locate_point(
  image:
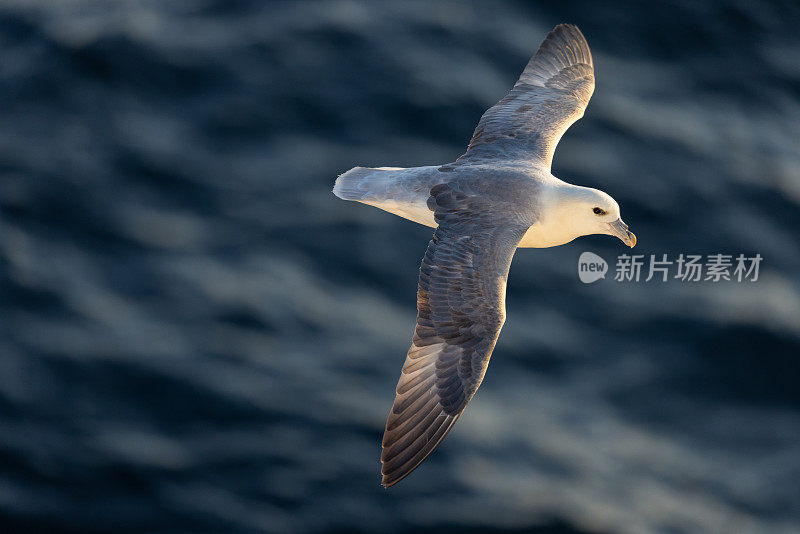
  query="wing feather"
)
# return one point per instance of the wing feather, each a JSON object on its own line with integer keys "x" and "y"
{"x": 550, "y": 95}
{"x": 460, "y": 304}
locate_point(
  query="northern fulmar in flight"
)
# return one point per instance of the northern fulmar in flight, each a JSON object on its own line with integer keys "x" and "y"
{"x": 498, "y": 196}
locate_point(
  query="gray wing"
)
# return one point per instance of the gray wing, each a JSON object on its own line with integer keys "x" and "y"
{"x": 550, "y": 95}
{"x": 461, "y": 308}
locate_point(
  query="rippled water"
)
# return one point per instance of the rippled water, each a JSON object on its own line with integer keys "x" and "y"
{"x": 196, "y": 335}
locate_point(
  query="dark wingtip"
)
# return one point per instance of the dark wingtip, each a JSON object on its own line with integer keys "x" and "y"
{"x": 389, "y": 479}
{"x": 386, "y": 480}
{"x": 566, "y": 27}
{"x": 566, "y": 33}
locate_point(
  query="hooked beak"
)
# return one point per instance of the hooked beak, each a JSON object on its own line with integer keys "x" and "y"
{"x": 620, "y": 229}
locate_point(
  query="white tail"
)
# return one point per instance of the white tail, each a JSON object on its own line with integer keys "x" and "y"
{"x": 397, "y": 190}
{"x": 365, "y": 183}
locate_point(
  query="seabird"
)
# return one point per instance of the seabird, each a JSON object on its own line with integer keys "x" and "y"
{"x": 498, "y": 196}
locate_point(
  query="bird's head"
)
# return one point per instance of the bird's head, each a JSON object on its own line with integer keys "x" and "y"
{"x": 590, "y": 211}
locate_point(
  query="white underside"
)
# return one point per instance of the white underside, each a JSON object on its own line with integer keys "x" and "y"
{"x": 418, "y": 212}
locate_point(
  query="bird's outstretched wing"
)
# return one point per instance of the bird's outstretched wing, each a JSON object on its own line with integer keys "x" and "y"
{"x": 550, "y": 95}
{"x": 461, "y": 308}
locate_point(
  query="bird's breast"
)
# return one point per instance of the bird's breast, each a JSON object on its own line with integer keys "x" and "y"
{"x": 541, "y": 235}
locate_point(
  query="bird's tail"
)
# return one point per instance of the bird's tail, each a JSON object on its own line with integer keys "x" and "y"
{"x": 366, "y": 183}
{"x": 403, "y": 192}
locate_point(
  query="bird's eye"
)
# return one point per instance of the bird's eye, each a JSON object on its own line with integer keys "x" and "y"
{"x": 599, "y": 211}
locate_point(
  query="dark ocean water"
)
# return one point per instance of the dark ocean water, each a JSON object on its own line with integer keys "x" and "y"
{"x": 197, "y": 336}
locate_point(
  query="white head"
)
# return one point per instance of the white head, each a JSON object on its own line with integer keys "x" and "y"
{"x": 575, "y": 211}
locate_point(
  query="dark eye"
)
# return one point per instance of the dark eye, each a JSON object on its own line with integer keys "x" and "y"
{"x": 599, "y": 211}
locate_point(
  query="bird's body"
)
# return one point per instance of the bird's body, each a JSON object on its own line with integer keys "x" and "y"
{"x": 405, "y": 192}
{"x": 498, "y": 196}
